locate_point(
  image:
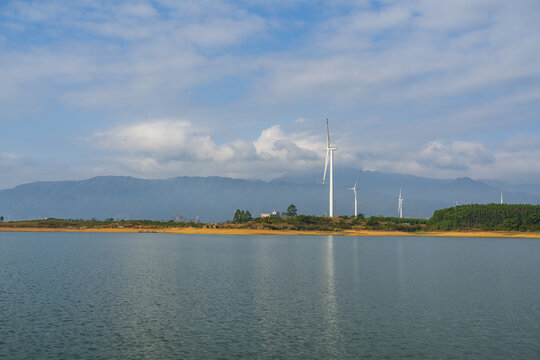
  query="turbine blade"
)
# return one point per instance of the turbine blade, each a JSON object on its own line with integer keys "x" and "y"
{"x": 327, "y": 135}
{"x": 356, "y": 183}
{"x": 325, "y": 165}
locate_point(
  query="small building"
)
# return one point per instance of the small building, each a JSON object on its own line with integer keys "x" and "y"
{"x": 273, "y": 214}
{"x": 179, "y": 219}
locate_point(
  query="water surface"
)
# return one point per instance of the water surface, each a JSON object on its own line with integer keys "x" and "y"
{"x": 158, "y": 296}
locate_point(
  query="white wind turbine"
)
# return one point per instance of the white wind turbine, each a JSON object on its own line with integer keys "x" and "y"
{"x": 400, "y": 205}
{"x": 355, "y": 189}
{"x": 330, "y": 155}
{"x": 502, "y": 198}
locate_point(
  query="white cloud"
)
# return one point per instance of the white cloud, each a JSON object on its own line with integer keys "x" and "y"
{"x": 275, "y": 143}
{"x": 134, "y": 54}
{"x": 459, "y": 155}
{"x": 514, "y": 167}
{"x": 438, "y": 50}
{"x": 454, "y": 15}
{"x": 6, "y": 158}
{"x": 515, "y": 161}
{"x": 164, "y": 141}
{"x": 141, "y": 10}
{"x": 221, "y": 32}
{"x": 371, "y": 21}
{"x": 170, "y": 147}
{"x": 418, "y": 69}
{"x": 402, "y": 52}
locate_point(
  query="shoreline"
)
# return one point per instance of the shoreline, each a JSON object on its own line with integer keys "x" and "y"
{"x": 240, "y": 231}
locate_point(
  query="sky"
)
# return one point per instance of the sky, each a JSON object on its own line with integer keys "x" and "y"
{"x": 163, "y": 88}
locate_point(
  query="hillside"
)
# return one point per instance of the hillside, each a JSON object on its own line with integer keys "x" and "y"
{"x": 216, "y": 198}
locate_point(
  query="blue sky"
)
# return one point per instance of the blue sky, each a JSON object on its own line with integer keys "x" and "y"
{"x": 164, "y": 88}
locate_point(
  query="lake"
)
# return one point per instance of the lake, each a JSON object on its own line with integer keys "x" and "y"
{"x": 162, "y": 296}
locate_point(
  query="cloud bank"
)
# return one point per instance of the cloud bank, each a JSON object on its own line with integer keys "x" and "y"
{"x": 178, "y": 147}
{"x": 434, "y": 88}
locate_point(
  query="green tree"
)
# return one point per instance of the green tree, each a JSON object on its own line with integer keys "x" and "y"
{"x": 237, "y": 216}
{"x": 241, "y": 216}
{"x": 372, "y": 221}
{"x": 1, "y": 219}
{"x": 513, "y": 217}
{"x": 291, "y": 211}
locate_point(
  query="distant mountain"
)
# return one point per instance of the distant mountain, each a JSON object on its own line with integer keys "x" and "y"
{"x": 533, "y": 189}
{"x": 216, "y": 198}
{"x": 422, "y": 195}
{"x": 208, "y": 198}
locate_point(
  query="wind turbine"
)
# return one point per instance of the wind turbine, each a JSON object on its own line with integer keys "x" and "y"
{"x": 400, "y": 205}
{"x": 329, "y": 156}
{"x": 502, "y": 198}
{"x": 355, "y": 189}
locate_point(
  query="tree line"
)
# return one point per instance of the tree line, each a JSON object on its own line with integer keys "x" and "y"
{"x": 243, "y": 216}
{"x": 490, "y": 217}
{"x": 503, "y": 217}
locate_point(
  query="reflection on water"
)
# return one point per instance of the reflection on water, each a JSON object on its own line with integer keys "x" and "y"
{"x": 330, "y": 303}
{"x": 264, "y": 282}
{"x": 400, "y": 266}
{"x": 120, "y": 296}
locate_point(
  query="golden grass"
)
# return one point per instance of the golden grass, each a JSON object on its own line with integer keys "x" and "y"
{"x": 239, "y": 231}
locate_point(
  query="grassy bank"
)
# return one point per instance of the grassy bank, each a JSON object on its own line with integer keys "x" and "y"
{"x": 247, "y": 231}
{"x": 298, "y": 225}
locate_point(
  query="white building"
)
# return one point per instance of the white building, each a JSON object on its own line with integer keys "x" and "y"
{"x": 273, "y": 214}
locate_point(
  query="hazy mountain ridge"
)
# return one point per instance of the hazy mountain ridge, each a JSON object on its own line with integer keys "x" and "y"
{"x": 215, "y": 198}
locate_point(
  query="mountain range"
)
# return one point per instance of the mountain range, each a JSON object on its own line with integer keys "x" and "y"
{"x": 216, "y": 198}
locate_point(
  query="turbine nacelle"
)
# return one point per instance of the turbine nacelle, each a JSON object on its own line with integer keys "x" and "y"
{"x": 328, "y": 150}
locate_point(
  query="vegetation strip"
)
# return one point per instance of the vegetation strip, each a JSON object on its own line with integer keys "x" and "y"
{"x": 499, "y": 220}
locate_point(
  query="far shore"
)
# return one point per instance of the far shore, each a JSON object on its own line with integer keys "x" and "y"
{"x": 243, "y": 231}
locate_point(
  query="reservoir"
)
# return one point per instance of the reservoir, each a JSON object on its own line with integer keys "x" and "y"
{"x": 164, "y": 296}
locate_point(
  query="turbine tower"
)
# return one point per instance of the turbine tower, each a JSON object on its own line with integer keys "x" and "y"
{"x": 355, "y": 189}
{"x": 502, "y": 198}
{"x": 400, "y": 205}
{"x": 329, "y": 156}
